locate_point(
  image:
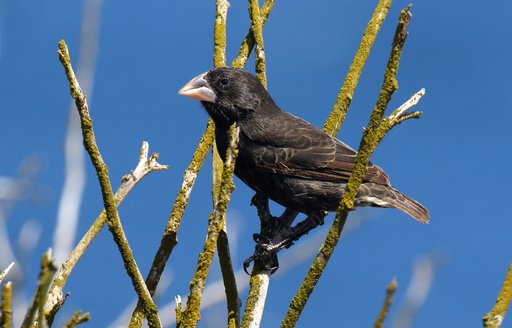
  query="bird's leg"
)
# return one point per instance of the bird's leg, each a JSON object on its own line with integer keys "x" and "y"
{"x": 276, "y": 233}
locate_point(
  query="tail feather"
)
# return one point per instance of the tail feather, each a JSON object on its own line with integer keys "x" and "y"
{"x": 379, "y": 195}
{"x": 409, "y": 206}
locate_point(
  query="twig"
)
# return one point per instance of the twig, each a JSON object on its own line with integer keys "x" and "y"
{"x": 113, "y": 220}
{"x": 368, "y": 143}
{"x": 191, "y": 314}
{"x": 335, "y": 120}
{"x": 77, "y": 319}
{"x": 144, "y": 166}
{"x": 390, "y": 294}
{"x": 6, "y": 307}
{"x": 494, "y": 318}
{"x": 248, "y": 42}
{"x": 46, "y": 273}
{"x": 169, "y": 238}
{"x": 6, "y": 271}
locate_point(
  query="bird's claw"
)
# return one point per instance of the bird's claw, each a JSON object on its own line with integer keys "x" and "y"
{"x": 265, "y": 256}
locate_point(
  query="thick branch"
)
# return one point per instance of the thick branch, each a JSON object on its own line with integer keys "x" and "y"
{"x": 144, "y": 166}
{"x": 114, "y": 222}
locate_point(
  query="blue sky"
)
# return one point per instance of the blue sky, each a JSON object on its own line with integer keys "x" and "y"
{"x": 455, "y": 160}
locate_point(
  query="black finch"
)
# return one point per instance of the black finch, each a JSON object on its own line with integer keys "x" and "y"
{"x": 283, "y": 157}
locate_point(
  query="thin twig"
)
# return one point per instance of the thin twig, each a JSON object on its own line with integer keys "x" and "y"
{"x": 144, "y": 166}
{"x": 335, "y": 120}
{"x": 169, "y": 238}
{"x": 6, "y": 306}
{"x": 46, "y": 273}
{"x": 191, "y": 314}
{"x": 494, "y": 318}
{"x": 369, "y": 142}
{"x": 388, "y": 301}
{"x": 113, "y": 220}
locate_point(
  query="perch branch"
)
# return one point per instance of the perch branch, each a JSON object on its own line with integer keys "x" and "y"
{"x": 144, "y": 166}
{"x": 494, "y": 318}
{"x": 369, "y": 142}
{"x": 113, "y": 220}
{"x": 388, "y": 301}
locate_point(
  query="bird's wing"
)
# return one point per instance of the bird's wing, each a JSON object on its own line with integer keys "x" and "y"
{"x": 291, "y": 146}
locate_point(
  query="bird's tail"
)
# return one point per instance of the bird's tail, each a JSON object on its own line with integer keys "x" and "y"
{"x": 408, "y": 205}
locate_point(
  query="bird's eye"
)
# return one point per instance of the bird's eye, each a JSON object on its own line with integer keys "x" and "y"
{"x": 224, "y": 82}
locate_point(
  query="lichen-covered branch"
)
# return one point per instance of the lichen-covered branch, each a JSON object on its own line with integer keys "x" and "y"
{"x": 494, "y": 318}
{"x": 388, "y": 301}
{"x": 335, "y": 120}
{"x": 257, "y": 32}
{"x": 46, "y": 273}
{"x": 249, "y": 42}
{"x": 113, "y": 220}
{"x": 191, "y": 315}
{"x": 170, "y": 235}
{"x": 260, "y": 281}
{"x": 6, "y": 306}
{"x": 369, "y": 142}
{"x": 219, "y": 33}
{"x": 144, "y": 166}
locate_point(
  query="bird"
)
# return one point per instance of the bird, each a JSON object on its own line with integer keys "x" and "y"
{"x": 284, "y": 157}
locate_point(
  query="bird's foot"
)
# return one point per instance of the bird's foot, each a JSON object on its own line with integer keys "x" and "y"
{"x": 278, "y": 234}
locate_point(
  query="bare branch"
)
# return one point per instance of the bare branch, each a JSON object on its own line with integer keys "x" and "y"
{"x": 6, "y": 271}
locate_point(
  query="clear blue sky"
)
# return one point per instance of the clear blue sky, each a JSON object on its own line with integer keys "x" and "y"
{"x": 456, "y": 160}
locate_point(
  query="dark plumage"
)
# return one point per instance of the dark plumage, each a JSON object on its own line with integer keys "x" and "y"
{"x": 283, "y": 157}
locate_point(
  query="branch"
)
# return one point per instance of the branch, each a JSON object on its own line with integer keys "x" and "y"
{"x": 144, "y": 166}
{"x": 494, "y": 317}
{"x": 45, "y": 278}
{"x": 6, "y": 306}
{"x": 369, "y": 142}
{"x": 191, "y": 314}
{"x": 249, "y": 42}
{"x": 169, "y": 238}
{"x": 256, "y": 28}
{"x": 114, "y": 222}
{"x": 390, "y": 294}
{"x": 335, "y": 120}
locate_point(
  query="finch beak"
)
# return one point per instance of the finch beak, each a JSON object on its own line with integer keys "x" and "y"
{"x": 198, "y": 88}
